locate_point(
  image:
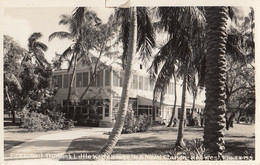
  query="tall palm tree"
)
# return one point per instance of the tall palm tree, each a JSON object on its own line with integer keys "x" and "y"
{"x": 137, "y": 35}
{"x": 175, "y": 100}
{"x": 82, "y": 29}
{"x": 218, "y": 44}
{"x": 184, "y": 26}
{"x": 216, "y": 38}
{"x": 161, "y": 78}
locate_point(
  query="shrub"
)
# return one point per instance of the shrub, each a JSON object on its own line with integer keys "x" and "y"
{"x": 143, "y": 122}
{"x": 133, "y": 124}
{"x": 130, "y": 122}
{"x": 53, "y": 120}
{"x": 193, "y": 150}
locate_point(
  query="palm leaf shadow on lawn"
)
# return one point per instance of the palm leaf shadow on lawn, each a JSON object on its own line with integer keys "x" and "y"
{"x": 158, "y": 141}
{"x": 150, "y": 145}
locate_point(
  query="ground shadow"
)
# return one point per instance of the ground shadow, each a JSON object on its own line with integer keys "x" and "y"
{"x": 91, "y": 146}
{"x": 8, "y": 144}
{"x": 240, "y": 148}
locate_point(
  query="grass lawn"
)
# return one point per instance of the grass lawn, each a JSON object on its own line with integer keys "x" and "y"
{"x": 160, "y": 139}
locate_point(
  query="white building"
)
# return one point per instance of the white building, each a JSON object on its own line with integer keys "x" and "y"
{"x": 106, "y": 91}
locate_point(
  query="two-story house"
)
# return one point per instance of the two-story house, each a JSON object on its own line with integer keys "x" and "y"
{"x": 106, "y": 90}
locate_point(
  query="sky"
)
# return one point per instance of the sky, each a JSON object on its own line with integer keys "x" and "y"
{"x": 20, "y": 23}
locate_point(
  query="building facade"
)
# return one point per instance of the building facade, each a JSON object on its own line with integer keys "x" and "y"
{"x": 104, "y": 93}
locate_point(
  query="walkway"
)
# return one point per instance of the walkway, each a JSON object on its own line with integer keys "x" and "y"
{"x": 49, "y": 147}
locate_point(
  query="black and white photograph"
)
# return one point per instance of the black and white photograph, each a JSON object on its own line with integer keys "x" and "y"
{"x": 124, "y": 82}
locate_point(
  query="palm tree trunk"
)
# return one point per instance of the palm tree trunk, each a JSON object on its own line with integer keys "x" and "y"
{"x": 71, "y": 80}
{"x": 117, "y": 129}
{"x": 71, "y": 86}
{"x": 215, "y": 80}
{"x": 179, "y": 141}
{"x": 175, "y": 102}
{"x": 192, "y": 111}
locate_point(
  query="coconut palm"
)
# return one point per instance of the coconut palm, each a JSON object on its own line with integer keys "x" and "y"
{"x": 161, "y": 79}
{"x": 218, "y": 44}
{"x": 82, "y": 29}
{"x": 184, "y": 26}
{"x": 216, "y": 39}
{"x": 137, "y": 35}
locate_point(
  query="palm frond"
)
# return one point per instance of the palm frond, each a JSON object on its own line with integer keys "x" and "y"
{"x": 163, "y": 78}
{"x": 66, "y": 53}
{"x": 78, "y": 16}
{"x": 163, "y": 54}
{"x": 41, "y": 59}
{"x": 32, "y": 39}
{"x": 61, "y": 35}
{"x": 65, "y": 19}
{"x": 71, "y": 62}
{"x": 41, "y": 46}
{"x": 146, "y": 34}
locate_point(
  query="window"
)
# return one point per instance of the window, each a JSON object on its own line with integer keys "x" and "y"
{"x": 121, "y": 81}
{"x": 100, "y": 112}
{"x": 107, "y": 77}
{"x": 85, "y": 79}
{"x": 145, "y": 109}
{"x": 106, "y": 110}
{"x": 65, "y": 81}
{"x": 135, "y": 82}
{"x": 146, "y": 83}
{"x": 59, "y": 81}
{"x": 141, "y": 79}
{"x": 116, "y": 78}
{"x": 100, "y": 79}
{"x": 79, "y": 80}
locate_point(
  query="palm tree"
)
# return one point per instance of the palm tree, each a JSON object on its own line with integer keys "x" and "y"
{"x": 175, "y": 100}
{"x": 82, "y": 29}
{"x": 161, "y": 78}
{"x": 137, "y": 35}
{"x": 216, "y": 39}
{"x": 184, "y": 26}
{"x": 218, "y": 44}
{"x": 36, "y": 50}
